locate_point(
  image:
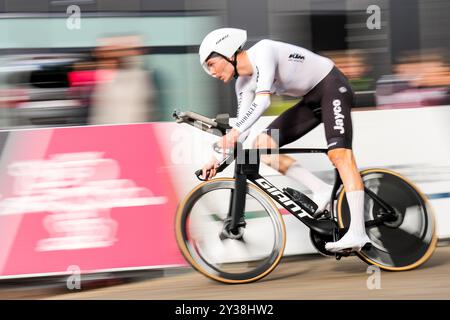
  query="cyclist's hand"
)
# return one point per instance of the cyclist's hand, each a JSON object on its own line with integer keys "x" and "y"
{"x": 228, "y": 141}
{"x": 209, "y": 170}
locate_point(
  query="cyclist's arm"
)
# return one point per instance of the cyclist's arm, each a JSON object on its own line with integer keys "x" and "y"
{"x": 221, "y": 157}
{"x": 254, "y": 99}
{"x": 254, "y": 112}
{"x": 251, "y": 111}
{"x": 245, "y": 95}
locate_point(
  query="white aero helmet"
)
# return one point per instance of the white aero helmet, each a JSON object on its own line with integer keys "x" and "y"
{"x": 224, "y": 41}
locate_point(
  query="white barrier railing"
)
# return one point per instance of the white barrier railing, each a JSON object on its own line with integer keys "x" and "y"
{"x": 414, "y": 142}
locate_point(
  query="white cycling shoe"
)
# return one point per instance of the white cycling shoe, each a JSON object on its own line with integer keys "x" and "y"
{"x": 350, "y": 242}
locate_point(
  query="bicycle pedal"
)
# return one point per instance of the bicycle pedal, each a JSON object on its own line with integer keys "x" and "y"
{"x": 344, "y": 253}
{"x": 347, "y": 252}
{"x": 302, "y": 200}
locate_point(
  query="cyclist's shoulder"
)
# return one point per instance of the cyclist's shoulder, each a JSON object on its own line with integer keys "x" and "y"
{"x": 269, "y": 48}
{"x": 264, "y": 44}
{"x": 263, "y": 52}
{"x": 269, "y": 43}
{"x": 245, "y": 84}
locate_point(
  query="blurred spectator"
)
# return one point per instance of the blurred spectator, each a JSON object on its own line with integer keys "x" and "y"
{"x": 82, "y": 83}
{"x": 36, "y": 90}
{"x": 353, "y": 64}
{"x": 124, "y": 92}
{"x": 418, "y": 80}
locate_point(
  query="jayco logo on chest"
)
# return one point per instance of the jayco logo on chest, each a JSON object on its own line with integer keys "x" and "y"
{"x": 338, "y": 116}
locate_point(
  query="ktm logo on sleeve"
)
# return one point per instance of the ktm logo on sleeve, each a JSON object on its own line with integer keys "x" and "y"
{"x": 297, "y": 57}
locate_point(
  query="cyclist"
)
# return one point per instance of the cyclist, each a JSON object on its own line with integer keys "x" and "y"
{"x": 272, "y": 67}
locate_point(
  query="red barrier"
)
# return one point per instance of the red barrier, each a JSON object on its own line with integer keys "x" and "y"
{"x": 95, "y": 197}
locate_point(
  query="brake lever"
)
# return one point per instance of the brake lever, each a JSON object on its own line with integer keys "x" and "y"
{"x": 220, "y": 168}
{"x": 198, "y": 173}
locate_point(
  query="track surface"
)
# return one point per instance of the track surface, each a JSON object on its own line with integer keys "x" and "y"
{"x": 304, "y": 277}
{"x": 300, "y": 277}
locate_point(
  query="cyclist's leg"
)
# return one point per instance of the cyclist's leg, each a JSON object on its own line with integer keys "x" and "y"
{"x": 337, "y": 101}
{"x": 288, "y": 127}
{"x": 292, "y": 124}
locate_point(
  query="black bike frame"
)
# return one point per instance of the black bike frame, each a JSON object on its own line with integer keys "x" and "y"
{"x": 247, "y": 168}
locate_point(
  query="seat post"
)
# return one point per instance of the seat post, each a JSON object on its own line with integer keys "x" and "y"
{"x": 337, "y": 183}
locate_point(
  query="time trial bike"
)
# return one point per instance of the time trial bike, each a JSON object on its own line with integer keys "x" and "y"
{"x": 232, "y": 231}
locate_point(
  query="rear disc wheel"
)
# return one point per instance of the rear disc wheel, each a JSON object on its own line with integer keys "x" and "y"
{"x": 404, "y": 242}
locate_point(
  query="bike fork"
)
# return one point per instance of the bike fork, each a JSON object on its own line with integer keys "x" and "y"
{"x": 235, "y": 217}
{"x": 237, "y": 202}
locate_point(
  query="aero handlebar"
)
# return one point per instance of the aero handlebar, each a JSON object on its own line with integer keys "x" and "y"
{"x": 218, "y": 127}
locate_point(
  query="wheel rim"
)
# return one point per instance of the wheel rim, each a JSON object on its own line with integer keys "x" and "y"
{"x": 224, "y": 260}
{"x": 405, "y": 243}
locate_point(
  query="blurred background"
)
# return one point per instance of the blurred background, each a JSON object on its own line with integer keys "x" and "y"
{"x": 111, "y": 61}
{"x": 95, "y": 62}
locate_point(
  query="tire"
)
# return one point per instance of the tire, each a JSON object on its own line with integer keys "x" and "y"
{"x": 198, "y": 224}
{"x": 405, "y": 243}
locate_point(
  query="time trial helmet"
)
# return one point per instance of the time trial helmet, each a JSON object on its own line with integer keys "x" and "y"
{"x": 225, "y": 41}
